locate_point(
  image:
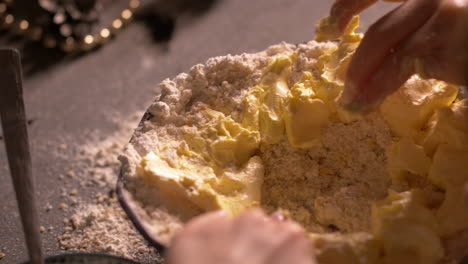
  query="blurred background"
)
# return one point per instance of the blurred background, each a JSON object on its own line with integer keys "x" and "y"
{"x": 84, "y": 72}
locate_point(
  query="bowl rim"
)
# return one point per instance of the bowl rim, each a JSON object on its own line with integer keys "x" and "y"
{"x": 133, "y": 216}
{"x": 122, "y": 196}
{"x": 85, "y": 254}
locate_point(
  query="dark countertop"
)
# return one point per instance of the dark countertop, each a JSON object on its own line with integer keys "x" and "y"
{"x": 69, "y": 98}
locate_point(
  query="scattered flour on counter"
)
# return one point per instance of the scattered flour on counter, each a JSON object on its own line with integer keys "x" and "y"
{"x": 101, "y": 225}
{"x": 104, "y": 227}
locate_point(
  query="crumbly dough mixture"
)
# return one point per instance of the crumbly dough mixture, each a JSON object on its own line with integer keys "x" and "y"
{"x": 266, "y": 129}
{"x": 330, "y": 187}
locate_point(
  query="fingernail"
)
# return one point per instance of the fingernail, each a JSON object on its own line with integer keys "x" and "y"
{"x": 358, "y": 102}
{"x": 347, "y": 96}
{"x": 355, "y": 106}
{"x": 349, "y": 92}
{"x": 351, "y": 100}
{"x": 278, "y": 216}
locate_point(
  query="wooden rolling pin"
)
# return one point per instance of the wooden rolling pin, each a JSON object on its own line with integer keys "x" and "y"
{"x": 15, "y": 135}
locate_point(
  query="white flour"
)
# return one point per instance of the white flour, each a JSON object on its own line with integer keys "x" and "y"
{"x": 102, "y": 225}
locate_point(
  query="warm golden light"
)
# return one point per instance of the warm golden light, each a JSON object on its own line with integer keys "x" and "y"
{"x": 117, "y": 24}
{"x": 134, "y": 4}
{"x": 105, "y": 33}
{"x": 24, "y": 25}
{"x": 9, "y": 19}
{"x": 89, "y": 39}
{"x": 126, "y": 14}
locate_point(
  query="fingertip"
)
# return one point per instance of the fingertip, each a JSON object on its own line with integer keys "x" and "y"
{"x": 349, "y": 92}
{"x": 207, "y": 218}
{"x": 339, "y": 15}
{"x": 366, "y": 99}
{"x": 353, "y": 99}
{"x": 395, "y": 70}
{"x": 344, "y": 10}
{"x": 356, "y": 106}
{"x": 278, "y": 216}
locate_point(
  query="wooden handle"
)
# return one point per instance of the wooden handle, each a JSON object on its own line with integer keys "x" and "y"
{"x": 17, "y": 146}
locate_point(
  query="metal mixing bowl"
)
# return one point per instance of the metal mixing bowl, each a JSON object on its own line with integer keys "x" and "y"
{"x": 86, "y": 258}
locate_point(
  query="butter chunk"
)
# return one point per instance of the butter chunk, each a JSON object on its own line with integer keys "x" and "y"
{"x": 271, "y": 116}
{"x": 251, "y": 108}
{"x": 407, "y": 229}
{"x": 335, "y": 69}
{"x": 306, "y": 114}
{"x": 275, "y": 86}
{"x": 411, "y": 244}
{"x": 328, "y": 29}
{"x": 179, "y": 182}
{"x": 264, "y": 103}
{"x": 406, "y": 157}
{"x": 223, "y": 140}
{"x": 240, "y": 190}
{"x": 238, "y": 148}
{"x": 449, "y": 171}
{"x": 355, "y": 248}
{"x": 410, "y": 107}
{"x": 449, "y": 125}
{"x": 233, "y": 192}
{"x": 335, "y": 64}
